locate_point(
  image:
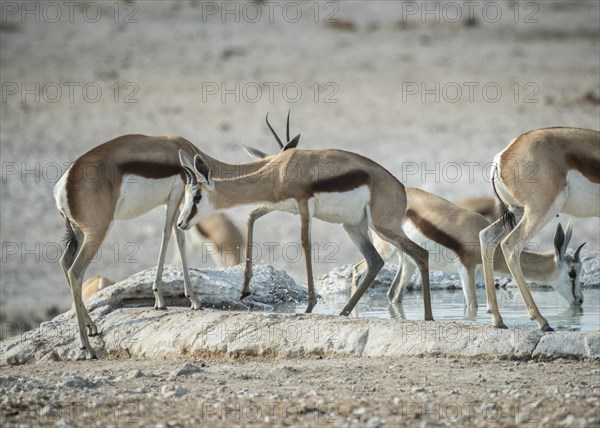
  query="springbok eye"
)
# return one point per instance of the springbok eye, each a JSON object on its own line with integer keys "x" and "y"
{"x": 197, "y": 197}
{"x": 572, "y": 274}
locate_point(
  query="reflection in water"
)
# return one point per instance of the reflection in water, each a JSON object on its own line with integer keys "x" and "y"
{"x": 448, "y": 305}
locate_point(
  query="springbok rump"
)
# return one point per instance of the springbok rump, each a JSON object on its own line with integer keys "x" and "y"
{"x": 451, "y": 234}
{"x": 540, "y": 174}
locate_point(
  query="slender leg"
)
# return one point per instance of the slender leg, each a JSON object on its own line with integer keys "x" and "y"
{"x": 418, "y": 254}
{"x": 405, "y": 274}
{"x": 467, "y": 281}
{"x": 172, "y": 208}
{"x": 512, "y": 246}
{"x": 305, "y": 220}
{"x": 392, "y": 291}
{"x": 87, "y": 251}
{"x": 189, "y": 290}
{"x": 489, "y": 240}
{"x": 360, "y": 236}
{"x": 358, "y": 270}
{"x": 254, "y": 215}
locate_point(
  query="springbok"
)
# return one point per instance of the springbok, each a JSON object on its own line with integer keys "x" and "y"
{"x": 487, "y": 207}
{"x": 540, "y": 174}
{"x": 451, "y": 234}
{"x": 118, "y": 180}
{"x": 332, "y": 185}
{"x": 227, "y": 241}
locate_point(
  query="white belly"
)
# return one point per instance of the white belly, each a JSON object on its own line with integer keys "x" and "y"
{"x": 343, "y": 207}
{"x": 140, "y": 195}
{"x": 583, "y": 196}
{"x": 440, "y": 257}
{"x": 332, "y": 207}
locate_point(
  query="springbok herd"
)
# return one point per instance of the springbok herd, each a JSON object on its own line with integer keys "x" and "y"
{"x": 135, "y": 173}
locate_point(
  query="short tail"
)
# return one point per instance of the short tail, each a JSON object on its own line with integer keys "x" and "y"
{"x": 508, "y": 218}
{"x": 70, "y": 241}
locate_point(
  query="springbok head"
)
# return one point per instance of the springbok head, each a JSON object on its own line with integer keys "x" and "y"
{"x": 199, "y": 182}
{"x": 567, "y": 283}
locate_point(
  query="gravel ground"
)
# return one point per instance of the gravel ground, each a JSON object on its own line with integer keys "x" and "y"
{"x": 350, "y": 392}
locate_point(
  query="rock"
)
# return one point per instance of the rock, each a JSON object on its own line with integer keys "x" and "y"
{"x": 187, "y": 369}
{"x": 375, "y": 422}
{"x": 48, "y": 411}
{"x": 135, "y": 373}
{"x": 218, "y": 288}
{"x": 76, "y": 382}
{"x": 168, "y": 391}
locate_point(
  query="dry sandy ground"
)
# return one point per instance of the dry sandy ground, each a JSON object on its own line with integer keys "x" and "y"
{"x": 347, "y": 392}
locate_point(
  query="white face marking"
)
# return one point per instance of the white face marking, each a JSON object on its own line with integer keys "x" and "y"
{"x": 139, "y": 195}
{"x": 195, "y": 197}
{"x": 563, "y": 283}
{"x": 342, "y": 207}
{"x": 582, "y": 196}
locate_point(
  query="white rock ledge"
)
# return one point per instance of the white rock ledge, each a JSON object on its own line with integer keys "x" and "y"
{"x": 142, "y": 332}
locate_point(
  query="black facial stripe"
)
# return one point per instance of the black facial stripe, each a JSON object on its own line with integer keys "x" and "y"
{"x": 197, "y": 197}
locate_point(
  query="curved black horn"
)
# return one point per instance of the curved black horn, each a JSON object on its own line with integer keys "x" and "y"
{"x": 576, "y": 256}
{"x": 287, "y": 127}
{"x": 191, "y": 178}
{"x": 273, "y": 132}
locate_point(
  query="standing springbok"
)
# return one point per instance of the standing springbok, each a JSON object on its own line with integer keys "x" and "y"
{"x": 332, "y": 185}
{"x": 451, "y": 234}
{"x": 118, "y": 180}
{"x": 540, "y": 174}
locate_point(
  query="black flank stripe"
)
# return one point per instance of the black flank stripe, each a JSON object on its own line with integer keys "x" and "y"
{"x": 342, "y": 183}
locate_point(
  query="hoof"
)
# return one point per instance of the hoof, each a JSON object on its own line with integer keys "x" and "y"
{"x": 546, "y": 328}
{"x": 501, "y": 325}
{"x": 94, "y": 334}
{"x": 162, "y": 308}
{"x": 244, "y": 295}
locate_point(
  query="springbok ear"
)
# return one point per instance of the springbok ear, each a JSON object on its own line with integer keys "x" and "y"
{"x": 576, "y": 257}
{"x": 203, "y": 171}
{"x": 568, "y": 234}
{"x": 254, "y": 153}
{"x": 186, "y": 160}
{"x": 292, "y": 144}
{"x": 559, "y": 241}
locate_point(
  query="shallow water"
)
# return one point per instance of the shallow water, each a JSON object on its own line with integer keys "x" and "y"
{"x": 447, "y": 305}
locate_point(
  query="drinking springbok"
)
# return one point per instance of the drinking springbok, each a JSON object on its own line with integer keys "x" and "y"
{"x": 540, "y": 174}
{"x": 332, "y": 185}
{"x": 451, "y": 234}
{"x": 118, "y": 180}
